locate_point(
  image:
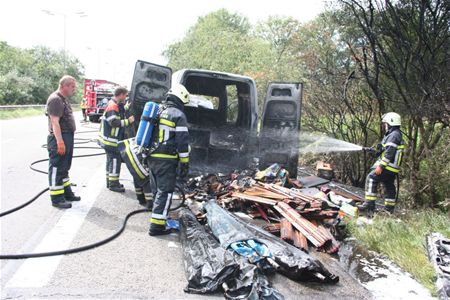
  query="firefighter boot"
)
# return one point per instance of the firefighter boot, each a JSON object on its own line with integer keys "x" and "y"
{"x": 108, "y": 183}
{"x": 60, "y": 202}
{"x": 141, "y": 199}
{"x": 115, "y": 186}
{"x": 368, "y": 207}
{"x": 156, "y": 229}
{"x": 389, "y": 209}
{"x": 69, "y": 195}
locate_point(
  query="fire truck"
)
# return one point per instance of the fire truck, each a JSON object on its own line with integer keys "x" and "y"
{"x": 97, "y": 93}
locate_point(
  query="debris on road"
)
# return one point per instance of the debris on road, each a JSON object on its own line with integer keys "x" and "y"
{"x": 285, "y": 207}
{"x": 263, "y": 219}
{"x": 439, "y": 255}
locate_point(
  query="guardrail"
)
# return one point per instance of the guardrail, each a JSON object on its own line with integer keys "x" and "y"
{"x": 11, "y": 107}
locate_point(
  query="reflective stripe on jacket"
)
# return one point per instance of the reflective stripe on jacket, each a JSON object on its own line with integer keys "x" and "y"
{"x": 173, "y": 135}
{"x": 112, "y": 126}
{"x": 392, "y": 150}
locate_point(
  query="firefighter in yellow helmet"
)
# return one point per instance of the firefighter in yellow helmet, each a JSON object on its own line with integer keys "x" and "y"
{"x": 387, "y": 166}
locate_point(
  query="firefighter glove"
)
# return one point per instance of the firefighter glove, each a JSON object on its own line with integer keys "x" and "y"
{"x": 378, "y": 170}
{"x": 372, "y": 152}
{"x": 61, "y": 148}
{"x": 184, "y": 171}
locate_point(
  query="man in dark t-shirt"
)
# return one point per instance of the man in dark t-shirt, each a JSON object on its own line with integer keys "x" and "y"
{"x": 61, "y": 127}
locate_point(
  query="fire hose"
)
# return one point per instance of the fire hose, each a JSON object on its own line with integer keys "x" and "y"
{"x": 86, "y": 247}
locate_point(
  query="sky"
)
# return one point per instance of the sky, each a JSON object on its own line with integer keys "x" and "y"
{"x": 110, "y": 36}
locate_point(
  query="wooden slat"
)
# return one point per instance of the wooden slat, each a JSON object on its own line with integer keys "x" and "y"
{"x": 273, "y": 228}
{"x": 311, "y": 232}
{"x": 286, "y": 230}
{"x": 300, "y": 241}
{"x": 254, "y": 198}
{"x": 262, "y": 192}
{"x": 304, "y": 231}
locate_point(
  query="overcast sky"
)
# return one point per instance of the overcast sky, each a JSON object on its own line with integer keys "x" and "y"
{"x": 114, "y": 34}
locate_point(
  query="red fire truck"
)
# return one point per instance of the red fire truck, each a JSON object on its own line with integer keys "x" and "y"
{"x": 97, "y": 93}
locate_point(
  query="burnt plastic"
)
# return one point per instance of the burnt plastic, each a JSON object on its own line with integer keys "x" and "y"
{"x": 294, "y": 263}
{"x": 207, "y": 265}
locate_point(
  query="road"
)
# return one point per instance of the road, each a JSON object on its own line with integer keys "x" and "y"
{"x": 133, "y": 266}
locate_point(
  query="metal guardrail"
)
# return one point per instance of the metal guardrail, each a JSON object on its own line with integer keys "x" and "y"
{"x": 10, "y": 107}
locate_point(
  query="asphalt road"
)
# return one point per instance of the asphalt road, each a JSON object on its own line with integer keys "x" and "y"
{"x": 134, "y": 266}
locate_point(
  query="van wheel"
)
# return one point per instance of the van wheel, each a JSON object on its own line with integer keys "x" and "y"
{"x": 94, "y": 119}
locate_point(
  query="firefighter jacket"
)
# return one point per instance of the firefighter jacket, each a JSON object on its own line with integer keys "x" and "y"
{"x": 112, "y": 126}
{"x": 83, "y": 103}
{"x": 391, "y": 150}
{"x": 172, "y": 134}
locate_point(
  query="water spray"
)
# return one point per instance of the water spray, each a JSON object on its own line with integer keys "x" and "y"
{"x": 316, "y": 143}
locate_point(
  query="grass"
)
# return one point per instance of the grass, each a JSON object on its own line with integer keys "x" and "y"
{"x": 403, "y": 240}
{"x": 25, "y": 112}
{"x": 20, "y": 113}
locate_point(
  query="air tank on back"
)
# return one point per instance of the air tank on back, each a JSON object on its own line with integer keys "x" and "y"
{"x": 147, "y": 124}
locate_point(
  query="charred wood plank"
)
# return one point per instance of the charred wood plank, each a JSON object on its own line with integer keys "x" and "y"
{"x": 286, "y": 230}
{"x": 300, "y": 241}
{"x": 254, "y": 198}
{"x": 310, "y": 231}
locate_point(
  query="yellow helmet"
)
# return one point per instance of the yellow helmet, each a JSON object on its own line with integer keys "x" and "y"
{"x": 392, "y": 118}
{"x": 179, "y": 91}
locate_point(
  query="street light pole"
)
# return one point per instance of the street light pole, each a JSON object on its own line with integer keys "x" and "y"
{"x": 64, "y": 53}
{"x": 80, "y": 14}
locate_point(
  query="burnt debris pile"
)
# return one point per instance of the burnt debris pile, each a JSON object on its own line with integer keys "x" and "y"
{"x": 240, "y": 227}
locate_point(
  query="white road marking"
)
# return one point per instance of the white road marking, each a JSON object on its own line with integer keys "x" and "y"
{"x": 37, "y": 272}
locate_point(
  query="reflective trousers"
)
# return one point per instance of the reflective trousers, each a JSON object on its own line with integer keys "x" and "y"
{"x": 387, "y": 178}
{"x": 164, "y": 172}
{"x": 59, "y": 166}
{"x": 113, "y": 162}
{"x": 143, "y": 192}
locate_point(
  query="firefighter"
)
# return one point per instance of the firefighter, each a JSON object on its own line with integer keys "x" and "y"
{"x": 142, "y": 189}
{"x": 61, "y": 127}
{"x": 111, "y": 132}
{"x": 171, "y": 153}
{"x": 83, "y": 106}
{"x": 387, "y": 166}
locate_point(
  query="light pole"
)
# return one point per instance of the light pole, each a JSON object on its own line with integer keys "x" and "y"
{"x": 80, "y": 14}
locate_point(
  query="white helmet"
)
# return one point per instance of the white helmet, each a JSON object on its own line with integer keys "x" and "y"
{"x": 392, "y": 118}
{"x": 179, "y": 91}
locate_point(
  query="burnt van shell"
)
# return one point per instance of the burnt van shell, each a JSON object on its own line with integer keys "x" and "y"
{"x": 223, "y": 121}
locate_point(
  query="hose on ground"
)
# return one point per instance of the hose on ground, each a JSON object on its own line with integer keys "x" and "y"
{"x": 78, "y": 249}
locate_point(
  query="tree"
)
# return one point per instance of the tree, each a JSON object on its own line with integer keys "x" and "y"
{"x": 47, "y": 67}
{"x": 30, "y": 75}
{"x": 223, "y": 41}
{"x": 282, "y": 33}
{"x": 403, "y": 54}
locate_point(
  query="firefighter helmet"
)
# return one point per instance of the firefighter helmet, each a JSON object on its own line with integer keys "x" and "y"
{"x": 392, "y": 118}
{"x": 179, "y": 91}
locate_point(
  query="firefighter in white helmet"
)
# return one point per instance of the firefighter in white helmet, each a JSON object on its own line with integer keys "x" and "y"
{"x": 172, "y": 153}
{"x": 387, "y": 166}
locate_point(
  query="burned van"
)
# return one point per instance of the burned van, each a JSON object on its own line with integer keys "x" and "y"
{"x": 223, "y": 116}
